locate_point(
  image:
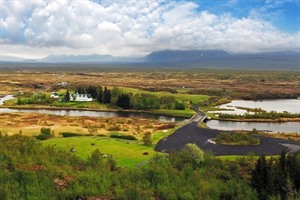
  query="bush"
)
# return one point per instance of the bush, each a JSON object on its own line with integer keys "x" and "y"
{"x": 42, "y": 137}
{"x": 166, "y": 126}
{"x": 237, "y": 139}
{"x": 125, "y": 137}
{"x": 147, "y": 139}
{"x": 70, "y": 134}
{"x": 179, "y": 106}
{"x": 45, "y": 131}
{"x": 45, "y": 134}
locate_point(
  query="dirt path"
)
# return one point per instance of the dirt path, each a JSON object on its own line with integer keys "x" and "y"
{"x": 192, "y": 133}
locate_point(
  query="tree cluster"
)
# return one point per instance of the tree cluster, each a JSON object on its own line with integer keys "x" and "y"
{"x": 142, "y": 101}
{"x": 29, "y": 170}
{"x": 277, "y": 178}
{"x": 98, "y": 93}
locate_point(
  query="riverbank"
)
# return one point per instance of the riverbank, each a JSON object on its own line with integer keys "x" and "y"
{"x": 280, "y": 120}
{"x": 167, "y": 113}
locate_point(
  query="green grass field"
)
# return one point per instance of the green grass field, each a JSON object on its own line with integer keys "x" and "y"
{"x": 194, "y": 99}
{"x": 126, "y": 153}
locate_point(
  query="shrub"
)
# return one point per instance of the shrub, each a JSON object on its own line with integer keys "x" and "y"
{"x": 166, "y": 126}
{"x": 70, "y": 134}
{"x": 45, "y": 131}
{"x": 45, "y": 134}
{"x": 179, "y": 106}
{"x": 42, "y": 137}
{"x": 125, "y": 137}
{"x": 147, "y": 139}
{"x": 236, "y": 139}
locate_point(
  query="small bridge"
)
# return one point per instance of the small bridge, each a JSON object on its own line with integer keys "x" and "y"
{"x": 199, "y": 116}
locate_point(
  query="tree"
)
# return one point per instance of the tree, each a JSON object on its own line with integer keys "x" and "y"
{"x": 190, "y": 154}
{"x": 100, "y": 95}
{"x": 92, "y": 90}
{"x": 115, "y": 93}
{"x": 96, "y": 158}
{"x": 106, "y": 96}
{"x": 123, "y": 101}
{"x": 259, "y": 179}
{"x": 67, "y": 96}
{"x": 293, "y": 166}
{"x": 179, "y": 105}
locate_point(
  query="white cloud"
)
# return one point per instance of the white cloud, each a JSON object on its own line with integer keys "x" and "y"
{"x": 37, "y": 28}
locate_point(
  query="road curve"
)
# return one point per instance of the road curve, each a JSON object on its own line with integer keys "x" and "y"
{"x": 192, "y": 133}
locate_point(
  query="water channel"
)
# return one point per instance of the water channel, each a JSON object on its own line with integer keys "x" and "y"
{"x": 214, "y": 124}
{"x": 76, "y": 113}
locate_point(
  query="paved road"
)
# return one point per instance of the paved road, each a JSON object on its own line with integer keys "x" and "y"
{"x": 192, "y": 133}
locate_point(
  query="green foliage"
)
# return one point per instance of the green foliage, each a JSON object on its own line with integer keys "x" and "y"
{"x": 260, "y": 115}
{"x": 45, "y": 134}
{"x": 190, "y": 154}
{"x": 179, "y": 105}
{"x": 125, "y": 137}
{"x": 34, "y": 98}
{"x": 106, "y": 96}
{"x": 46, "y": 131}
{"x": 31, "y": 171}
{"x": 123, "y": 101}
{"x": 278, "y": 178}
{"x": 70, "y": 134}
{"x": 237, "y": 139}
{"x": 67, "y": 96}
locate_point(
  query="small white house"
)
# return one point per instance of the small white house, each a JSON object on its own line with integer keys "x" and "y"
{"x": 82, "y": 97}
{"x": 54, "y": 95}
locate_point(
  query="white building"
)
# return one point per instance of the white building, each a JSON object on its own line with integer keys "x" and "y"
{"x": 81, "y": 97}
{"x": 54, "y": 95}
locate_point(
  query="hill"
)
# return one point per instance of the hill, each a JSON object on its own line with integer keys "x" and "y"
{"x": 216, "y": 59}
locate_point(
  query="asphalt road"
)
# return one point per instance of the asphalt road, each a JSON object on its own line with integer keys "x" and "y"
{"x": 192, "y": 133}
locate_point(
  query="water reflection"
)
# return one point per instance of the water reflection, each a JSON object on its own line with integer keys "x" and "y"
{"x": 265, "y": 126}
{"x": 279, "y": 105}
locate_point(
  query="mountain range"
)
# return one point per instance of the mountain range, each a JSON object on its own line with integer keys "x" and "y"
{"x": 181, "y": 58}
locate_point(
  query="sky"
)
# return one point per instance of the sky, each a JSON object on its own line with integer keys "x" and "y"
{"x": 38, "y": 28}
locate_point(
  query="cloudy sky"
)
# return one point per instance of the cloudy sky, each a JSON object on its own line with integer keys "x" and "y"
{"x": 37, "y": 28}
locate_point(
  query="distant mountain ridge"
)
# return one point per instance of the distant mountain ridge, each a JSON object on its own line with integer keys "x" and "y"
{"x": 94, "y": 58}
{"x": 182, "y": 59}
{"x": 181, "y": 55}
{"x": 194, "y": 55}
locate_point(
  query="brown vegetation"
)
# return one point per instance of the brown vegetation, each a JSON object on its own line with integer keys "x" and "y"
{"x": 242, "y": 84}
{"x": 31, "y": 123}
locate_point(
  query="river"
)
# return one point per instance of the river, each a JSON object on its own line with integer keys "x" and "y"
{"x": 64, "y": 112}
{"x": 214, "y": 124}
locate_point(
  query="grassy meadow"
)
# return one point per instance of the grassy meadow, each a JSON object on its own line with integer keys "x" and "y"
{"x": 126, "y": 153}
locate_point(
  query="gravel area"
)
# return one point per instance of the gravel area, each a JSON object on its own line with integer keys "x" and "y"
{"x": 192, "y": 133}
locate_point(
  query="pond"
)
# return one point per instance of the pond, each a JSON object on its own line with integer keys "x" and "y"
{"x": 290, "y": 127}
{"x": 279, "y": 105}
